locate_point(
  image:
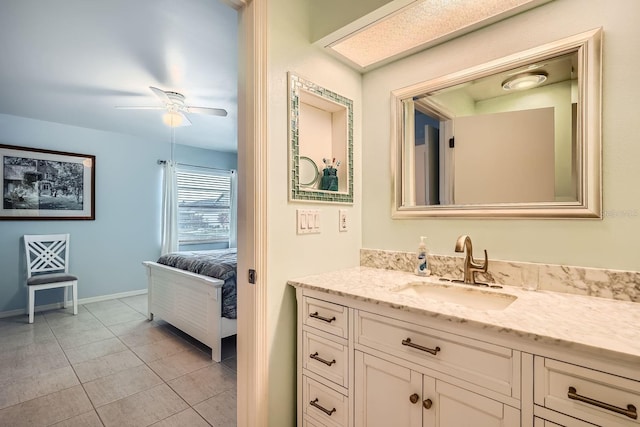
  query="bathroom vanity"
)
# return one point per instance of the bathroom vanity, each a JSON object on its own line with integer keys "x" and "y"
{"x": 387, "y": 348}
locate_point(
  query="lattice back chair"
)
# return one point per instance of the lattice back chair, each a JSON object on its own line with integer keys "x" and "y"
{"x": 48, "y": 267}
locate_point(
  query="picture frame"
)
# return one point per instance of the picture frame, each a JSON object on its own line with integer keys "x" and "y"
{"x": 40, "y": 184}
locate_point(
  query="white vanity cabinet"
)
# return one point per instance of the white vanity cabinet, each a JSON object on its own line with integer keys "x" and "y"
{"x": 389, "y": 394}
{"x": 564, "y": 392}
{"x": 323, "y": 363}
{"x": 367, "y": 361}
{"x": 358, "y": 368}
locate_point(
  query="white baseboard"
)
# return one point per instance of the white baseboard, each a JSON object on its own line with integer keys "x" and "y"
{"x": 81, "y": 301}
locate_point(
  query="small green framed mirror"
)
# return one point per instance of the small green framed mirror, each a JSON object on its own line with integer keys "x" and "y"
{"x": 320, "y": 143}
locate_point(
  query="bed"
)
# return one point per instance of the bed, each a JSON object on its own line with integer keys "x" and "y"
{"x": 196, "y": 293}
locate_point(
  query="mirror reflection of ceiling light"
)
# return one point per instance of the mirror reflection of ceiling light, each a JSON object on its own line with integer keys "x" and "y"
{"x": 524, "y": 81}
{"x": 415, "y": 25}
{"x": 172, "y": 119}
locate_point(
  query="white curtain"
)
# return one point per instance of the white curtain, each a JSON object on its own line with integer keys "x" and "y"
{"x": 169, "y": 209}
{"x": 233, "y": 232}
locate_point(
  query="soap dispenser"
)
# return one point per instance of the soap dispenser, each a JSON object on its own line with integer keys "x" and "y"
{"x": 422, "y": 269}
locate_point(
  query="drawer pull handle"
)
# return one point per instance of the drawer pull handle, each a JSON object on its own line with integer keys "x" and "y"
{"x": 414, "y": 398}
{"x": 408, "y": 343}
{"x": 325, "y": 319}
{"x": 427, "y": 404}
{"x": 630, "y": 412}
{"x": 320, "y": 359}
{"x": 315, "y": 404}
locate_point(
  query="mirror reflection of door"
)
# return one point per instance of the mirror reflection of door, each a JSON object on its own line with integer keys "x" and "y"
{"x": 427, "y": 160}
{"x": 505, "y": 157}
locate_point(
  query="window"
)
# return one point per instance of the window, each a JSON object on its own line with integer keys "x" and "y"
{"x": 204, "y": 206}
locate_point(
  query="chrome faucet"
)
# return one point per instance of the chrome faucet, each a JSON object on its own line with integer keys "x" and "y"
{"x": 470, "y": 265}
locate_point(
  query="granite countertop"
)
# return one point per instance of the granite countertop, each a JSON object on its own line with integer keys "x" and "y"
{"x": 599, "y": 325}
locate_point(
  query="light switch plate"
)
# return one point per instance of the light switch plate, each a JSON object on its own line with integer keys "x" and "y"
{"x": 307, "y": 221}
{"x": 343, "y": 224}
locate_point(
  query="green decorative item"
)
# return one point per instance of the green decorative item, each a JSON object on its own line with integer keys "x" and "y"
{"x": 329, "y": 179}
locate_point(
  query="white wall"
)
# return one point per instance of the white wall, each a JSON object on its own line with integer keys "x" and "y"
{"x": 607, "y": 243}
{"x": 290, "y": 255}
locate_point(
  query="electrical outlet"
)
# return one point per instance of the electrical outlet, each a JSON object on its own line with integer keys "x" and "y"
{"x": 343, "y": 225}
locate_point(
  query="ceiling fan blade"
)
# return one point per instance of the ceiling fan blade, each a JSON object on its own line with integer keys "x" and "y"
{"x": 185, "y": 120}
{"x": 160, "y": 94}
{"x": 208, "y": 111}
{"x": 124, "y": 107}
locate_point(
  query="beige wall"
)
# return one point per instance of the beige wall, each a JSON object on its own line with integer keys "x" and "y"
{"x": 290, "y": 255}
{"x": 607, "y": 243}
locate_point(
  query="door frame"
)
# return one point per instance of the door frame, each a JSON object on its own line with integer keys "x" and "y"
{"x": 252, "y": 351}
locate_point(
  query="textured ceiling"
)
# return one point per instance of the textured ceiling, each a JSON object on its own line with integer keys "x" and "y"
{"x": 73, "y": 61}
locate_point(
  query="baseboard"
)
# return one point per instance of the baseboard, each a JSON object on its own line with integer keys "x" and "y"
{"x": 81, "y": 301}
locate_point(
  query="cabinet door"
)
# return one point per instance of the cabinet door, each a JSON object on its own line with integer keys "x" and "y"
{"x": 383, "y": 392}
{"x": 457, "y": 407}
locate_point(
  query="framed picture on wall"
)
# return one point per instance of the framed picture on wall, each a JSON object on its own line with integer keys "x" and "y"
{"x": 46, "y": 185}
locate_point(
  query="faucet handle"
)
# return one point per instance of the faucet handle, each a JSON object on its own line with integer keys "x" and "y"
{"x": 485, "y": 265}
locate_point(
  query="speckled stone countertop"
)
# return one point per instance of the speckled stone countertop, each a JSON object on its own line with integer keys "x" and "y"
{"x": 601, "y": 326}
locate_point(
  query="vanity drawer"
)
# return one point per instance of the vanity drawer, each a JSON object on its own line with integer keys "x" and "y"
{"x": 326, "y": 316}
{"x": 323, "y": 405}
{"x": 590, "y": 395}
{"x": 326, "y": 358}
{"x": 487, "y": 365}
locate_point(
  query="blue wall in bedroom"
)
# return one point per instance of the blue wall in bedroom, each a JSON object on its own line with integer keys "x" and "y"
{"x": 106, "y": 253}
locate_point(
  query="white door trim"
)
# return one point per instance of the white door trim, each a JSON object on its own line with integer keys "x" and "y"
{"x": 253, "y": 358}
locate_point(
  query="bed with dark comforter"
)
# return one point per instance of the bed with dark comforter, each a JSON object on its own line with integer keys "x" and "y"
{"x": 220, "y": 264}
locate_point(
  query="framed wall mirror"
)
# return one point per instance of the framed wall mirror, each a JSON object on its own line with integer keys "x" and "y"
{"x": 320, "y": 143}
{"x": 515, "y": 137}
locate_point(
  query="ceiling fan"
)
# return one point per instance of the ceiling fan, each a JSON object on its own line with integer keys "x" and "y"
{"x": 177, "y": 110}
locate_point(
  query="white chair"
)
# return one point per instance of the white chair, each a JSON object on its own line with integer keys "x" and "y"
{"x": 48, "y": 267}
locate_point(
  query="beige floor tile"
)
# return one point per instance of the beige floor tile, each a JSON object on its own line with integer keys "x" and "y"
{"x": 204, "y": 383}
{"x": 88, "y": 419}
{"x": 131, "y": 327}
{"x": 11, "y": 370}
{"x": 188, "y": 417}
{"x": 26, "y": 337}
{"x": 219, "y": 410}
{"x": 111, "y": 304}
{"x": 105, "y": 365}
{"x": 27, "y": 351}
{"x": 20, "y": 325}
{"x": 82, "y": 322}
{"x": 179, "y": 364}
{"x": 119, "y": 315}
{"x": 145, "y": 336}
{"x": 94, "y": 350}
{"x": 47, "y": 410}
{"x": 231, "y": 363}
{"x": 71, "y": 339}
{"x": 28, "y": 388}
{"x": 140, "y": 303}
{"x": 122, "y": 384}
{"x": 163, "y": 348}
{"x": 143, "y": 408}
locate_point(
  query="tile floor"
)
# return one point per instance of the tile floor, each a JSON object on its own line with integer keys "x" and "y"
{"x": 110, "y": 366}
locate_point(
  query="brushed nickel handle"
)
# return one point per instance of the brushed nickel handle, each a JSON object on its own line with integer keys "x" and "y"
{"x": 427, "y": 404}
{"x": 414, "y": 398}
{"x": 408, "y": 343}
{"x": 630, "y": 412}
{"x": 320, "y": 359}
{"x": 325, "y": 319}
{"x": 315, "y": 404}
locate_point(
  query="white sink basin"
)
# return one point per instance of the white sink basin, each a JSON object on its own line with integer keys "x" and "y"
{"x": 465, "y": 296}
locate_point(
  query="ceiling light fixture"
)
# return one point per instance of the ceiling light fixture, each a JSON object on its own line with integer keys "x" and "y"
{"x": 172, "y": 119}
{"x": 402, "y": 27}
{"x": 524, "y": 81}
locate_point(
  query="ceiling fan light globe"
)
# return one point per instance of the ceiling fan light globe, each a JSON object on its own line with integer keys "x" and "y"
{"x": 172, "y": 119}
